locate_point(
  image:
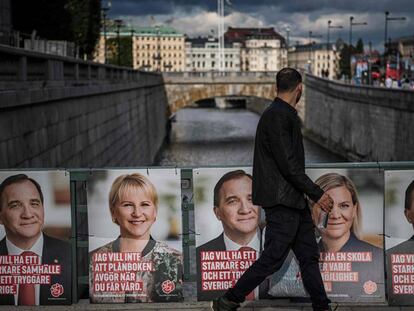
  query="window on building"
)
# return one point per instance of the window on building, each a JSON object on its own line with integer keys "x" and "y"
{"x": 213, "y": 55}
{"x": 213, "y": 64}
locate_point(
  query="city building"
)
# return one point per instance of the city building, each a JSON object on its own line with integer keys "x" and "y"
{"x": 158, "y": 48}
{"x": 315, "y": 58}
{"x": 202, "y": 55}
{"x": 262, "y": 49}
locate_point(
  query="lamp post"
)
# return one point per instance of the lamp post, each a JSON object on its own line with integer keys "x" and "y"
{"x": 311, "y": 35}
{"x": 352, "y": 23}
{"x": 132, "y": 48}
{"x": 287, "y": 37}
{"x": 118, "y": 24}
{"x": 104, "y": 14}
{"x": 329, "y": 29}
{"x": 158, "y": 57}
{"x": 402, "y": 18}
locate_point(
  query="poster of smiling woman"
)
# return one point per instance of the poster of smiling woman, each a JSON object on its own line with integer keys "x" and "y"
{"x": 351, "y": 245}
{"x": 35, "y": 225}
{"x": 134, "y": 220}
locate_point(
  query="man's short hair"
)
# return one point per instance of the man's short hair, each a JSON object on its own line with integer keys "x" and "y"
{"x": 287, "y": 79}
{"x": 14, "y": 179}
{"x": 237, "y": 174}
{"x": 409, "y": 195}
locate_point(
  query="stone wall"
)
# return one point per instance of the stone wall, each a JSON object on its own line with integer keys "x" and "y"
{"x": 103, "y": 125}
{"x": 362, "y": 123}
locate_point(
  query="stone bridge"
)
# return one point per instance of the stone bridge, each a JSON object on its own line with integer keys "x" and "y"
{"x": 183, "y": 89}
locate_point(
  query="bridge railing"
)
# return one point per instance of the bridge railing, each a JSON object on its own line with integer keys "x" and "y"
{"x": 213, "y": 74}
{"x": 21, "y": 67}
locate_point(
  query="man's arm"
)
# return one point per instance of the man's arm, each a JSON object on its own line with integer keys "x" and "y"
{"x": 281, "y": 135}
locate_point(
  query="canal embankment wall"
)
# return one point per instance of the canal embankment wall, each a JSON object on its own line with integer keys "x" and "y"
{"x": 362, "y": 123}
{"x": 61, "y": 112}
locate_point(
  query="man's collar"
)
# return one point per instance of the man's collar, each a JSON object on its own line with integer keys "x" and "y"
{"x": 281, "y": 102}
{"x": 233, "y": 246}
{"x": 37, "y": 248}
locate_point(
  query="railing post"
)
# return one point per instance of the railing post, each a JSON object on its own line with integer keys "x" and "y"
{"x": 22, "y": 70}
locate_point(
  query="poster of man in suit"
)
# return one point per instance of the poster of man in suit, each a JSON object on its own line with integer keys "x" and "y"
{"x": 227, "y": 223}
{"x": 399, "y": 238}
{"x": 35, "y": 221}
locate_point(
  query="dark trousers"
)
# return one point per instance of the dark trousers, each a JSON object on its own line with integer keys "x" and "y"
{"x": 286, "y": 228}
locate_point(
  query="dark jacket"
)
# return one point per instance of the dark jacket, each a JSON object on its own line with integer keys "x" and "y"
{"x": 279, "y": 162}
{"x": 54, "y": 252}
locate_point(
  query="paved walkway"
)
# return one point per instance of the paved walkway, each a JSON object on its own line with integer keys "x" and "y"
{"x": 263, "y": 305}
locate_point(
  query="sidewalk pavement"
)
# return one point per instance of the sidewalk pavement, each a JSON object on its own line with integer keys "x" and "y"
{"x": 262, "y": 305}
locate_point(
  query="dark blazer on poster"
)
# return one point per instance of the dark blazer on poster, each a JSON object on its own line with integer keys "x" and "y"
{"x": 406, "y": 247}
{"x": 54, "y": 252}
{"x": 279, "y": 162}
{"x": 216, "y": 244}
{"x": 367, "y": 271}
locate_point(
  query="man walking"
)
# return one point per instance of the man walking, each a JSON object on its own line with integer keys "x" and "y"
{"x": 279, "y": 186}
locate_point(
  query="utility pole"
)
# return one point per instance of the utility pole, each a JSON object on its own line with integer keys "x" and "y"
{"x": 220, "y": 14}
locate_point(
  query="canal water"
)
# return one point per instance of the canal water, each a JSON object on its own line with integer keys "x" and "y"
{"x": 214, "y": 137}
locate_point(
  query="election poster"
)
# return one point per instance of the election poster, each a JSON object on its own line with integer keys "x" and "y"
{"x": 227, "y": 226}
{"x": 399, "y": 238}
{"x": 351, "y": 245}
{"x": 35, "y": 227}
{"x": 134, "y": 219}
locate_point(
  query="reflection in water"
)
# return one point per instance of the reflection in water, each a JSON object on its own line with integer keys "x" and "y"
{"x": 213, "y": 137}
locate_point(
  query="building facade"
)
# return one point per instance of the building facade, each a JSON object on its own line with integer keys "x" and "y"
{"x": 262, "y": 49}
{"x": 202, "y": 55}
{"x": 159, "y": 48}
{"x": 317, "y": 59}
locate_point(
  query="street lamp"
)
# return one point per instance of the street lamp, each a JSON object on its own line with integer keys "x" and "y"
{"x": 329, "y": 29}
{"x": 402, "y": 18}
{"x": 158, "y": 57}
{"x": 351, "y": 23}
{"x": 287, "y": 37}
{"x": 118, "y": 24}
{"x": 104, "y": 14}
{"x": 311, "y": 35}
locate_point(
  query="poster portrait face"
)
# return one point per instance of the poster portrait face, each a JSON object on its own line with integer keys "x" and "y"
{"x": 227, "y": 226}
{"x": 230, "y": 206}
{"x": 139, "y": 208}
{"x": 30, "y": 211}
{"x": 398, "y": 207}
{"x": 35, "y": 224}
{"x": 134, "y": 219}
{"x": 351, "y": 245}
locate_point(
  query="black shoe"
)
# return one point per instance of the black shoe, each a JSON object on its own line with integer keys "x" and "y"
{"x": 224, "y": 304}
{"x": 333, "y": 306}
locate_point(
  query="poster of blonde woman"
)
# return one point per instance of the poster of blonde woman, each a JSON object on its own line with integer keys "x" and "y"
{"x": 134, "y": 219}
{"x": 351, "y": 245}
{"x": 399, "y": 238}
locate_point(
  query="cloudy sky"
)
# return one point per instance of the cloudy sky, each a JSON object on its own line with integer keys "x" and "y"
{"x": 199, "y": 17}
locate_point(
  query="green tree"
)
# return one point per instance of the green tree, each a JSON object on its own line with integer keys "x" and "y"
{"x": 78, "y": 21}
{"x": 125, "y": 57}
{"x": 86, "y": 24}
{"x": 344, "y": 66}
{"x": 359, "y": 46}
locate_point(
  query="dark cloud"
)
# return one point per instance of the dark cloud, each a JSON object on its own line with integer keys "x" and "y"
{"x": 300, "y": 15}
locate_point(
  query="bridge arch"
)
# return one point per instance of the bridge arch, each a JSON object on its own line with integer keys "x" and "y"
{"x": 182, "y": 91}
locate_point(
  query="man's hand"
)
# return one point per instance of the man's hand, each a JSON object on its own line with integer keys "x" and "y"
{"x": 325, "y": 202}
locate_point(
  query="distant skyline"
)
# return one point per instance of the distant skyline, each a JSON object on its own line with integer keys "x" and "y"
{"x": 195, "y": 18}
